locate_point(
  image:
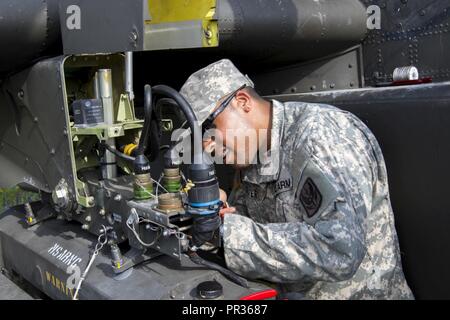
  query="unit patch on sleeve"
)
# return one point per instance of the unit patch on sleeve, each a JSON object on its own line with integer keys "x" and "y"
{"x": 310, "y": 197}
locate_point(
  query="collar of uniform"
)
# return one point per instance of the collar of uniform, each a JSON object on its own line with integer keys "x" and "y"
{"x": 269, "y": 168}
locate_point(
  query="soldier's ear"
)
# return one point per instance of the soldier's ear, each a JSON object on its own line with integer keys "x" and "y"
{"x": 244, "y": 101}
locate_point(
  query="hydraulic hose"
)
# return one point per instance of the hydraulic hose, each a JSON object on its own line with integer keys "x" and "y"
{"x": 191, "y": 118}
{"x": 118, "y": 153}
{"x": 148, "y": 109}
{"x": 214, "y": 266}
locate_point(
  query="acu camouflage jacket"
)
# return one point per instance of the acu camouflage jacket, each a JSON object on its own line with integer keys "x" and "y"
{"x": 320, "y": 225}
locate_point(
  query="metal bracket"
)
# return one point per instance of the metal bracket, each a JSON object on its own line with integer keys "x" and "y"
{"x": 134, "y": 257}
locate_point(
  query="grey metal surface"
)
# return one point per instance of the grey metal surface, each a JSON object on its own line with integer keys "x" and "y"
{"x": 161, "y": 278}
{"x": 289, "y": 30}
{"x": 29, "y": 30}
{"x": 411, "y": 125}
{"x": 180, "y": 35}
{"x": 342, "y": 71}
{"x": 170, "y": 245}
{"x": 10, "y": 291}
{"x": 414, "y": 32}
{"x": 106, "y": 26}
{"x": 34, "y": 139}
{"x": 254, "y": 29}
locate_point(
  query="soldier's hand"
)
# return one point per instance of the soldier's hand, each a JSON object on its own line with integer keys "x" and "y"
{"x": 223, "y": 196}
{"x": 226, "y": 209}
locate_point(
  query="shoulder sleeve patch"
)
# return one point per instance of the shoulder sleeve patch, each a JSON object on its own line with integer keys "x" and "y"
{"x": 310, "y": 197}
{"x": 315, "y": 192}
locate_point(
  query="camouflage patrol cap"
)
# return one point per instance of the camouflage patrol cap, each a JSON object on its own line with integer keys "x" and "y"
{"x": 207, "y": 86}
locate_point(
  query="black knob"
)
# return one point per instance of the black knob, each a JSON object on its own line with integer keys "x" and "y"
{"x": 209, "y": 290}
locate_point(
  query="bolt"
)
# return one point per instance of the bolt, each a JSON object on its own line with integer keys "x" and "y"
{"x": 102, "y": 212}
{"x": 88, "y": 219}
{"x": 29, "y": 213}
{"x": 133, "y": 36}
{"x": 85, "y": 227}
{"x": 118, "y": 197}
{"x": 208, "y": 34}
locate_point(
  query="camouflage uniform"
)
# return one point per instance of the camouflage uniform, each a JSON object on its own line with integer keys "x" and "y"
{"x": 322, "y": 225}
{"x": 317, "y": 221}
{"x": 207, "y": 86}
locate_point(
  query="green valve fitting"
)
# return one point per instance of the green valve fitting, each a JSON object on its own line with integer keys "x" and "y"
{"x": 143, "y": 187}
{"x": 172, "y": 180}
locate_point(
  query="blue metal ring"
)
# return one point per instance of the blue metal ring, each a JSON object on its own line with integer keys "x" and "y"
{"x": 203, "y": 204}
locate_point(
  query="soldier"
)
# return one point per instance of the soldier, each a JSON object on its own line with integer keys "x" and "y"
{"x": 313, "y": 215}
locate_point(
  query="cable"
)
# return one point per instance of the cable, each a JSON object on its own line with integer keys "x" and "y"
{"x": 142, "y": 242}
{"x": 183, "y": 177}
{"x": 118, "y": 153}
{"x": 133, "y": 230}
{"x": 211, "y": 265}
{"x": 159, "y": 185}
{"x": 190, "y": 117}
{"x": 148, "y": 109}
